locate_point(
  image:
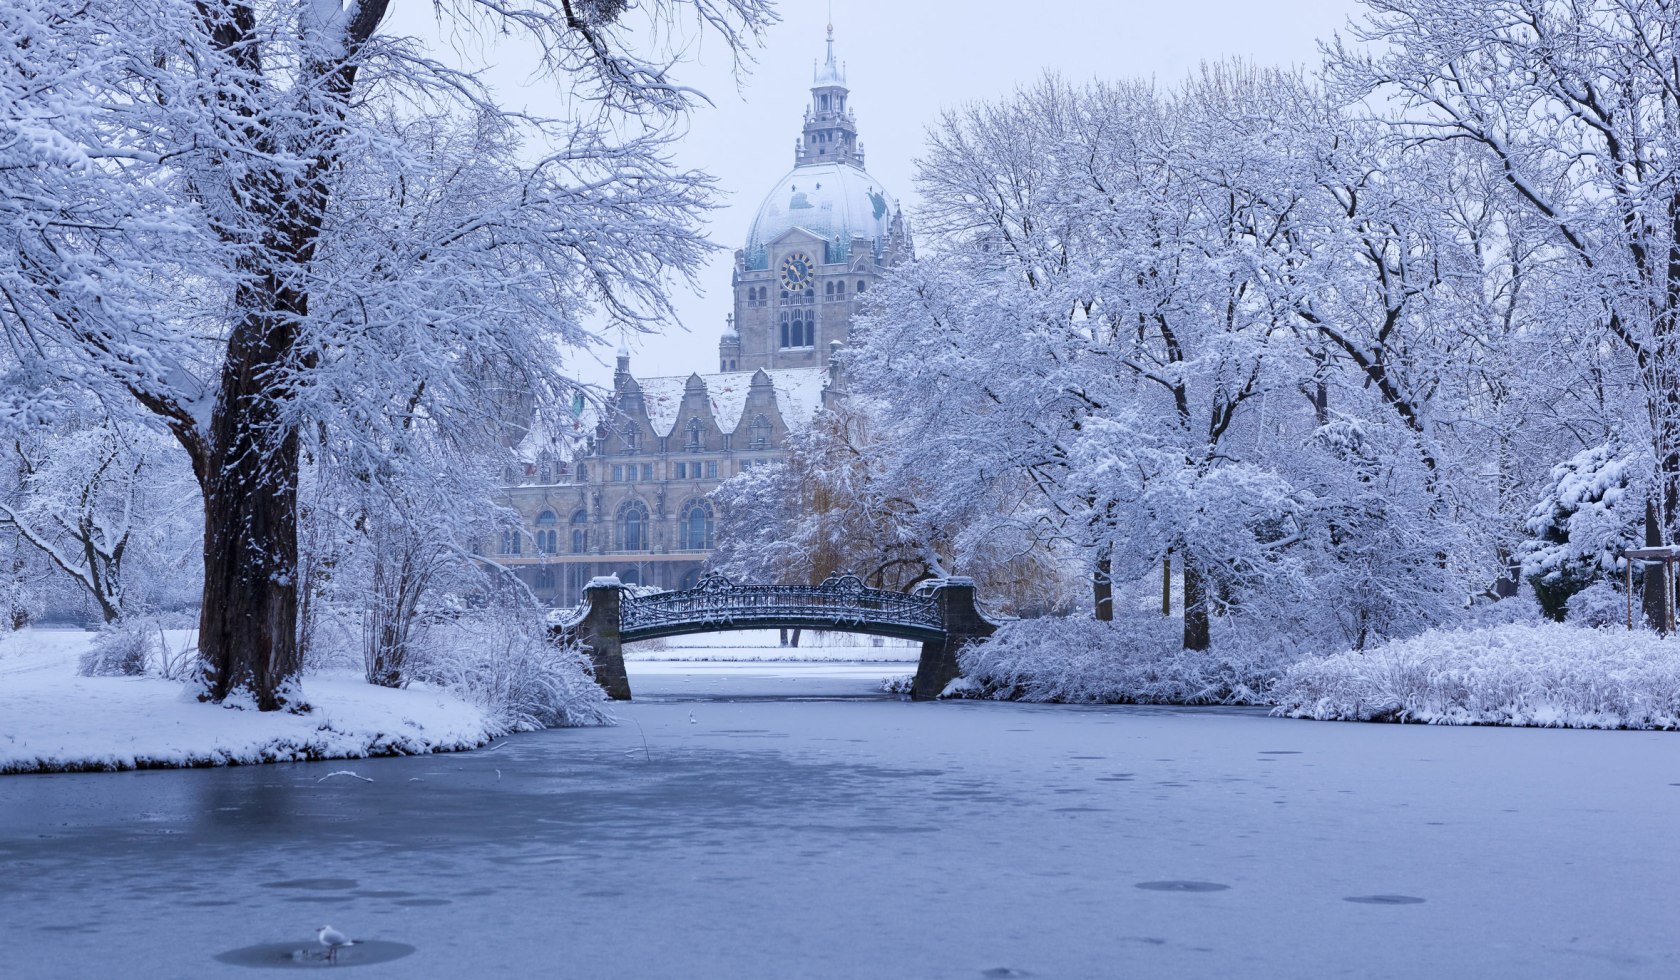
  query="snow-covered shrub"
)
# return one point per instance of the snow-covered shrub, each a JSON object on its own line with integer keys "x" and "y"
{"x": 122, "y": 649}
{"x": 1542, "y": 674}
{"x": 1599, "y": 604}
{"x": 1135, "y": 660}
{"x": 1586, "y": 516}
{"x": 504, "y": 661}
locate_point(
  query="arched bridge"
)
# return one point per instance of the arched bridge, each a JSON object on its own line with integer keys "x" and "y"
{"x": 940, "y": 614}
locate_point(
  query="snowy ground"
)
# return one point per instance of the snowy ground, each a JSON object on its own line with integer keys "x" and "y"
{"x": 718, "y": 832}
{"x": 52, "y": 719}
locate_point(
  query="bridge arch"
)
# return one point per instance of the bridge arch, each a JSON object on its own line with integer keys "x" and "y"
{"x": 941, "y": 615}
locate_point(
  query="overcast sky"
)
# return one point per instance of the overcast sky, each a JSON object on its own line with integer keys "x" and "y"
{"x": 905, "y": 61}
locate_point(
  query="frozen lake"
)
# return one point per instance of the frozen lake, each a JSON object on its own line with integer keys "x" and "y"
{"x": 777, "y": 821}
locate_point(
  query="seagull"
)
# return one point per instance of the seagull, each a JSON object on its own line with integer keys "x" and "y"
{"x": 333, "y": 940}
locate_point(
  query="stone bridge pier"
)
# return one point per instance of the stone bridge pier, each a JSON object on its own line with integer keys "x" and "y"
{"x": 599, "y": 635}
{"x": 963, "y": 625}
{"x": 941, "y": 614}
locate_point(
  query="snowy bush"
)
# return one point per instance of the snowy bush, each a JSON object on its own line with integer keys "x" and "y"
{"x": 1586, "y": 516}
{"x": 1543, "y": 674}
{"x": 1137, "y": 660}
{"x": 1599, "y": 604}
{"x": 122, "y": 649}
{"x": 507, "y": 665}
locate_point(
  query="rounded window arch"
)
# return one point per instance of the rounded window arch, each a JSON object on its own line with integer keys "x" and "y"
{"x": 631, "y": 528}
{"x": 861, "y": 285}
{"x": 696, "y": 528}
{"x": 840, "y": 289}
{"x": 786, "y": 336}
{"x": 548, "y": 536}
{"x": 580, "y": 531}
{"x": 580, "y": 472}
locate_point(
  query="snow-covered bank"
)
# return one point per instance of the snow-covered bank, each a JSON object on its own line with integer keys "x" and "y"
{"x": 53, "y": 720}
{"x": 1542, "y": 674}
{"x": 1527, "y": 674}
{"x": 1139, "y": 661}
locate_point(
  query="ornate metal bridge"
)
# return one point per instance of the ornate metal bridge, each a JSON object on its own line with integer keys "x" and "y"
{"x": 941, "y": 615}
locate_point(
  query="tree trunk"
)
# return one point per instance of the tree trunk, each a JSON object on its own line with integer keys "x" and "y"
{"x": 248, "y": 626}
{"x": 1195, "y": 603}
{"x": 1102, "y": 588}
{"x": 1654, "y": 602}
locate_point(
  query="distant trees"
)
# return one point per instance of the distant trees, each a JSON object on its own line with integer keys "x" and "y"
{"x": 261, "y": 224}
{"x": 1321, "y": 362}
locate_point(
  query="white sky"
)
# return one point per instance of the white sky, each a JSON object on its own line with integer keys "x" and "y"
{"x": 906, "y": 60}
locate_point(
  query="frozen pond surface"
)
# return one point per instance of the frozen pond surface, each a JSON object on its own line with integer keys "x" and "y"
{"x": 786, "y": 821}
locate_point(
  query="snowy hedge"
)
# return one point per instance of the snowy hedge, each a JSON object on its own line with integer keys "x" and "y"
{"x": 1546, "y": 674}
{"x": 1136, "y": 661}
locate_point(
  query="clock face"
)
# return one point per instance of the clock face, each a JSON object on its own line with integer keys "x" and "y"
{"x": 797, "y": 272}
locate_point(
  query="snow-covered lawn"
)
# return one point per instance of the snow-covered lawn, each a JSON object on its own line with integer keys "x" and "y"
{"x": 1542, "y": 674}
{"x": 52, "y": 719}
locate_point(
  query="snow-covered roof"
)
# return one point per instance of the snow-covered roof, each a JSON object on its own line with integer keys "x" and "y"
{"x": 798, "y": 396}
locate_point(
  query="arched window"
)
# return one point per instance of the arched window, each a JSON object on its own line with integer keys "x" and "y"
{"x": 632, "y": 530}
{"x": 828, "y": 291}
{"x": 810, "y": 295}
{"x": 785, "y": 297}
{"x": 759, "y": 433}
{"x": 691, "y": 434}
{"x": 786, "y": 338}
{"x": 512, "y": 542}
{"x": 544, "y": 472}
{"x": 580, "y": 532}
{"x": 840, "y": 289}
{"x": 548, "y": 539}
{"x": 695, "y": 530}
{"x": 581, "y": 473}
{"x": 861, "y": 285}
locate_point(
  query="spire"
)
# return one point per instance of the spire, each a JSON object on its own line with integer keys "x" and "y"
{"x": 830, "y": 134}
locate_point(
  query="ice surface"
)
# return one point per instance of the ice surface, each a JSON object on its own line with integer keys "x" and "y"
{"x": 834, "y": 832}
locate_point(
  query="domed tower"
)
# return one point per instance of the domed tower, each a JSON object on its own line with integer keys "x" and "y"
{"x": 823, "y": 236}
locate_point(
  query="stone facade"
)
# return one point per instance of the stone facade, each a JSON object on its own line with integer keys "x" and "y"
{"x": 632, "y": 498}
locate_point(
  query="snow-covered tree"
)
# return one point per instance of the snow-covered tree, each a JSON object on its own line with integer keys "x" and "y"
{"x": 252, "y": 219}
{"x": 1575, "y": 107}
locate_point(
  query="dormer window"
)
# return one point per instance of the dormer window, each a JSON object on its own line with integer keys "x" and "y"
{"x": 759, "y": 433}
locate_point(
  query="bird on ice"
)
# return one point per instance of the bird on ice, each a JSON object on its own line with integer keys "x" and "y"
{"x": 333, "y": 940}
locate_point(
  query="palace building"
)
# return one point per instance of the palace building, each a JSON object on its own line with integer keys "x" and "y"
{"x": 628, "y": 495}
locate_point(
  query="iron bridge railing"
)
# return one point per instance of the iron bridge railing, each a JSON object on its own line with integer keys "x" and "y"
{"x": 842, "y": 601}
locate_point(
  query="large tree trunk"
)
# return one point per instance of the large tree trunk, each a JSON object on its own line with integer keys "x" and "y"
{"x": 1196, "y": 630}
{"x": 248, "y": 626}
{"x": 1654, "y": 602}
{"x": 1102, "y": 588}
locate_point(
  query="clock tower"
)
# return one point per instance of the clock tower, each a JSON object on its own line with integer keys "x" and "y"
{"x": 823, "y": 236}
